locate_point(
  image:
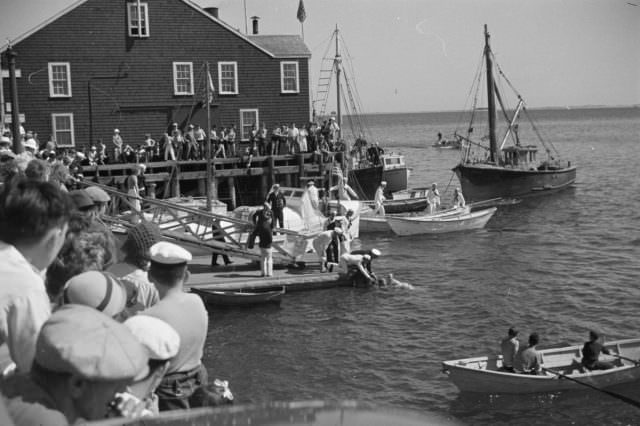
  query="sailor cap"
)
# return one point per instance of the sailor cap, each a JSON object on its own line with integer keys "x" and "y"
{"x": 375, "y": 252}
{"x": 159, "y": 338}
{"x": 31, "y": 143}
{"x": 169, "y": 254}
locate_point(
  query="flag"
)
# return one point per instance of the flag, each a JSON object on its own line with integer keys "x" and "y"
{"x": 211, "y": 89}
{"x": 302, "y": 14}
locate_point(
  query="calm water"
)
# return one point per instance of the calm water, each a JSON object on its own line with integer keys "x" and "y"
{"x": 559, "y": 265}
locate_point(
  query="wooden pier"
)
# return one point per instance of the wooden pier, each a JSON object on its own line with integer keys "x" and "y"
{"x": 234, "y": 181}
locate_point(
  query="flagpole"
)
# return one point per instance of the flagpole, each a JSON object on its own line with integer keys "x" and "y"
{"x": 302, "y": 27}
{"x": 208, "y": 101}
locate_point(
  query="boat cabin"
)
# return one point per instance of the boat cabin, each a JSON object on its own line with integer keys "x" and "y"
{"x": 520, "y": 156}
{"x": 393, "y": 161}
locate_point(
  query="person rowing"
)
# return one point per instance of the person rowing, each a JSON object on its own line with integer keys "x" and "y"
{"x": 591, "y": 352}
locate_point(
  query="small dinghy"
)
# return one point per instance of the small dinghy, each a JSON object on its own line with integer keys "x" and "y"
{"x": 240, "y": 297}
{"x": 439, "y": 224}
{"x": 561, "y": 366}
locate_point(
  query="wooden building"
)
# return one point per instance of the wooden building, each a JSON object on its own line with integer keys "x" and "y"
{"x": 139, "y": 66}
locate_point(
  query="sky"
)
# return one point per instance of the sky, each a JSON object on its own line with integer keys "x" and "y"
{"x": 422, "y": 55}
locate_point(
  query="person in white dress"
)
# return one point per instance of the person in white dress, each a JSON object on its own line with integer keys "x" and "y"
{"x": 379, "y": 199}
{"x": 433, "y": 197}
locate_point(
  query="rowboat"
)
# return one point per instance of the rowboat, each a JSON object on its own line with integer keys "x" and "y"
{"x": 433, "y": 224}
{"x": 483, "y": 375}
{"x": 241, "y": 297}
{"x": 406, "y": 201}
{"x": 370, "y": 223}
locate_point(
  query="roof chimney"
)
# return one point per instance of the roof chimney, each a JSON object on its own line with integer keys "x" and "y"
{"x": 213, "y": 11}
{"x": 255, "y": 19}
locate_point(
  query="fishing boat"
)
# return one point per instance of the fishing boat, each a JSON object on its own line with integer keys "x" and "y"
{"x": 428, "y": 224}
{"x": 501, "y": 170}
{"x": 367, "y": 165}
{"x": 240, "y": 297}
{"x": 407, "y": 201}
{"x": 562, "y": 367}
{"x": 448, "y": 143}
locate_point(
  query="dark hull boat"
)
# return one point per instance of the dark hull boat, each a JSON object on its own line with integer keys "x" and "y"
{"x": 508, "y": 171}
{"x": 365, "y": 181}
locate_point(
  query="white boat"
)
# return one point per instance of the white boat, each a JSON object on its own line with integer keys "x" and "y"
{"x": 483, "y": 375}
{"x": 439, "y": 224}
{"x": 370, "y": 223}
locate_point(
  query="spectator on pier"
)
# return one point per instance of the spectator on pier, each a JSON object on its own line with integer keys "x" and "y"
{"x": 333, "y": 248}
{"x": 217, "y": 143}
{"x": 292, "y": 139}
{"x": 83, "y": 360}
{"x": 92, "y": 156}
{"x": 186, "y": 313}
{"x": 379, "y": 198}
{"x": 201, "y": 140}
{"x": 190, "y": 144}
{"x": 33, "y": 225}
{"x": 591, "y": 352}
{"x": 276, "y": 134}
{"x": 150, "y": 147}
{"x": 458, "y": 199}
{"x": 214, "y": 256}
{"x": 262, "y": 140}
{"x": 433, "y": 197}
{"x": 232, "y": 141}
{"x": 118, "y": 145}
{"x": 166, "y": 143}
{"x": 137, "y": 260}
{"x": 355, "y": 268}
{"x": 129, "y": 154}
{"x": 133, "y": 190}
{"x": 528, "y": 360}
{"x": 178, "y": 141}
{"x": 284, "y": 147}
{"x": 277, "y": 201}
{"x": 334, "y": 129}
{"x": 103, "y": 157}
{"x": 302, "y": 139}
{"x": 509, "y": 348}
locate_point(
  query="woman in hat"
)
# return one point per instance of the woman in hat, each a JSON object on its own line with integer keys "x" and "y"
{"x": 133, "y": 190}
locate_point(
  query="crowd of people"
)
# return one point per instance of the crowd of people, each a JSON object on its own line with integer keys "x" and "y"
{"x": 85, "y": 333}
{"x": 527, "y": 359}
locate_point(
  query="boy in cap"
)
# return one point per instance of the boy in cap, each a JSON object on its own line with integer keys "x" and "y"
{"x": 83, "y": 358}
{"x": 509, "y": 348}
{"x": 186, "y": 313}
{"x": 135, "y": 265}
{"x": 33, "y": 225}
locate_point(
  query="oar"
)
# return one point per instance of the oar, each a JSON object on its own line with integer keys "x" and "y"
{"x": 635, "y": 361}
{"x": 612, "y": 394}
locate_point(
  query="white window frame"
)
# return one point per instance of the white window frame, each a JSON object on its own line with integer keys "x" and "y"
{"x": 282, "y": 77}
{"x": 67, "y": 66}
{"x": 242, "y": 123}
{"x": 143, "y": 8}
{"x": 175, "y": 78}
{"x": 54, "y": 130}
{"x": 221, "y": 90}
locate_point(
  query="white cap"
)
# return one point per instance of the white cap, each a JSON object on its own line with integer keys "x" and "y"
{"x": 31, "y": 143}
{"x": 5, "y": 139}
{"x": 116, "y": 131}
{"x": 383, "y": 183}
{"x": 169, "y": 253}
{"x": 375, "y": 252}
{"x": 159, "y": 338}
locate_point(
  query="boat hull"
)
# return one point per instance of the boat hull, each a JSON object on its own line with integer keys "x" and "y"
{"x": 374, "y": 225}
{"x": 395, "y": 172}
{"x": 482, "y": 182}
{"x": 240, "y": 298}
{"x": 482, "y": 375}
{"x": 365, "y": 181}
{"x": 417, "y": 225}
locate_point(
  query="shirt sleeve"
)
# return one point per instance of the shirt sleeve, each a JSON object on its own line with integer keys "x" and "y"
{"x": 24, "y": 321}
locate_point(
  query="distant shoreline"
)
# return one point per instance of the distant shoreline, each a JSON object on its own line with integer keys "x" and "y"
{"x": 547, "y": 108}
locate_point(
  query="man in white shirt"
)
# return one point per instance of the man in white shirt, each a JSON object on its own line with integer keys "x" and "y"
{"x": 379, "y": 198}
{"x": 433, "y": 197}
{"x": 33, "y": 225}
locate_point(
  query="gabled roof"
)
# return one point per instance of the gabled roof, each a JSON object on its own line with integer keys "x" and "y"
{"x": 282, "y": 46}
{"x": 301, "y": 47}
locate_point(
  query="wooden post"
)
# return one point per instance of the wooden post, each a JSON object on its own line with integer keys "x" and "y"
{"x": 272, "y": 170}
{"x": 264, "y": 185}
{"x": 175, "y": 187}
{"x": 202, "y": 186}
{"x": 232, "y": 191}
{"x": 300, "y": 169}
{"x": 321, "y": 170}
{"x": 151, "y": 193}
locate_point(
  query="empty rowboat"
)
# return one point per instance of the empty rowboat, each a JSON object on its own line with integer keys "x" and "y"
{"x": 436, "y": 224}
{"x": 241, "y": 297}
{"x": 484, "y": 375}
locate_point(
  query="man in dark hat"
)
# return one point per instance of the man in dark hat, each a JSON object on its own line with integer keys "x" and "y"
{"x": 591, "y": 352}
{"x": 509, "y": 347}
{"x": 186, "y": 313}
{"x": 83, "y": 359}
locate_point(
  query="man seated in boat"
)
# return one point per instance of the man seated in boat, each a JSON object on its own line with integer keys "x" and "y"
{"x": 528, "y": 360}
{"x": 591, "y": 351}
{"x": 458, "y": 199}
{"x": 509, "y": 347}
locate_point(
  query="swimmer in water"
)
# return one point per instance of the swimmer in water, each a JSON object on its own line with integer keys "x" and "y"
{"x": 393, "y": 282}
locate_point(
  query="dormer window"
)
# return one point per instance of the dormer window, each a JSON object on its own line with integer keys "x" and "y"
{"x": 138, "y": 19}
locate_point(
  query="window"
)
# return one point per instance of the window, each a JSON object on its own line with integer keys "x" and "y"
{"x": 228, "y": 78}
{"x": 248, "y": 117}
{"x": 62, "y": 125}
{"x": 183, "y": 78}
{"x": 59, "y": 80}
{"x": 138, "y": 19}
{"x": 289, "y": 77}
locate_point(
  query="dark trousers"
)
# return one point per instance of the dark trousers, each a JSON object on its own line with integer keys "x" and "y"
{"x": 214, "y": 259}
{"x": 278, "y": 218}
{"x": 332, "y": 252}
{"x": 178, "y": 390}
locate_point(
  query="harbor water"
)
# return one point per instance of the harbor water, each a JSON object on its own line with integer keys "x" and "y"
{"x": 559, "y": 265}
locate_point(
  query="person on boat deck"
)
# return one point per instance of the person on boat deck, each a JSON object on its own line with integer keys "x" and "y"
{"x": 379, "y": 198}
{"x": 322, "y": 243}
{"x": 357, "y": 268}
{"x": 458, "y": 199}
{"x": 277, "y": 201}
{"x": 187, "y": 315}
{"x": 528, "y": 360}
{"x": 83, "y": 359}
{"x": 591, "y": 351}
{"x": 313, "y": 194}
{"x": 433, "y": 197}
{"x": 334, "y": 128}
{"x": 374, "y": 152}
{"x": 509, "y": 348}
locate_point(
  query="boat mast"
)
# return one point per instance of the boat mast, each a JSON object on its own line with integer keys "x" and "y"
{"x": 491, "y": 106}
{"x": 337, "y": 61}
{"x": 209, "y": 179}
